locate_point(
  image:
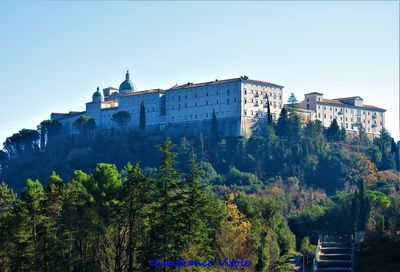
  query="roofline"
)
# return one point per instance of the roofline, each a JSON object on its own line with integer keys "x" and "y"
{"x": 352, "y": 106}
{"x": 223, "y": 81}
{"x": 314, "y": 93}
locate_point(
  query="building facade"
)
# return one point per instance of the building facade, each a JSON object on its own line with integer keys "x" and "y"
{"x": 183, "y": 108}
{"x": 349, "y": 112}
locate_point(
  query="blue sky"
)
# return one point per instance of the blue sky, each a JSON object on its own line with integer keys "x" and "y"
{"x": 53, "y": 55}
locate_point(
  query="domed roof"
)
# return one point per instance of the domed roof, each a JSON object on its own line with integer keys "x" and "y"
{"x": 97, "y": 96}
{"x": 127, "y": 86}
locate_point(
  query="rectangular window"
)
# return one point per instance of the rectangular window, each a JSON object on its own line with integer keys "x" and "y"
{"x": 227, "y": 102}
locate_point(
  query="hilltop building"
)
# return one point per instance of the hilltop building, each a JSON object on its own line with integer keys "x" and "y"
{"x": 183, "y": 108}
{"x": 349, "y": 112}
{"x": 237, "y": 102}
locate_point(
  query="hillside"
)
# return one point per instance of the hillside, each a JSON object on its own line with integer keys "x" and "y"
{"x": 82, "y": 205}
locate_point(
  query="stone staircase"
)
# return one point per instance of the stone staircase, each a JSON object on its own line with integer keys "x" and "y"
{"x": 333, "y": 254}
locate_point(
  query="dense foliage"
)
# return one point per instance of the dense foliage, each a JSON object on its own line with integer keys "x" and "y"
{"x": 257, "y": 198}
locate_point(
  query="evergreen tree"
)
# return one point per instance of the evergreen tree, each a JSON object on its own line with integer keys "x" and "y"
{"x": 333, "y": 133}
{"x": 136, "y": 195}
{"x": 30, "y": 220}
{"x": 343, "y": 134}
{"x": 282, "y": 126}
{"x": 214, "y": 127}
{"x": 199, "y": 211}
{"x": 50, "y": 239}
{"x": 292, "y": 103}
{"x": 396, "y": 153}
{"x": 7, "y": 203}
{"x": 142, "y": 116}
{"x": 166, "y": 236}
{"x": 362, "y": 135}
{"x": 269, "y": 115}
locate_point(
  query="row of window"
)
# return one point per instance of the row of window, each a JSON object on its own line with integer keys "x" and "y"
{"x": 358, "y": 111}
{"x": 256, "y": 94}
{"x": 200, "y": 116}
{"x": 228, "y": 93}
{"x": 185, "y": 105}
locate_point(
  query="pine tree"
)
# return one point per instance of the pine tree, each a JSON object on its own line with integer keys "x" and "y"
{"x": 50, "y": 240}
{"x": 7, "y": 202}
{"x": 121, "y": 118}
{"x": 30, "y": 220}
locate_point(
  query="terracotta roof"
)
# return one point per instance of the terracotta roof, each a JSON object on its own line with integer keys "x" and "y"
{"x": 348, "y": 98}
{"x": 216, "y": 82}
{"x": 337, "y": 102}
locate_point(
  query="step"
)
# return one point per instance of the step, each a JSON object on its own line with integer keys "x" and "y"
{"x": 334, "y": 244}
{"x": 334, "y": 269}
{"x": 333, "y": 263}
{"x": 339, "y": 256}
{"x": 336, "y": 250}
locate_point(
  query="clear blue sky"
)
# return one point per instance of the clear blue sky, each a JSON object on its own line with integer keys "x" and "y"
{"x": 53, "y": 55}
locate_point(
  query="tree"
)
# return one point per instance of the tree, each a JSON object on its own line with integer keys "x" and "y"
{"x": 292, "y": 103}
{"x": 362, "y": 135}
{"x": 396, "y": 153}
{"x": 233, "y": 239}
{"x": 48, "y": 129}
{"x": 7, "y": 203}
{"x": 214, "y": 127}
{"x": 201, "y": 212}
{"x": 29, "y": 139}
{"x": 306, "y": 248}
{"x": 269, "y": 115}
{"x": 283, "y": 124}
{"x": 360, "y": 207}
{"x": 121, "y": 118}
{"x": 30, "y": 216}
{"x": 166, "y": 239}
{"x": 136, "y": 195}
{"x": 85, "y": 125}
{"x": 333, "y": 133}
{"x": 142, "y": 116}
{"x": 343, "y": 134}
{"x": 361, "y": 168}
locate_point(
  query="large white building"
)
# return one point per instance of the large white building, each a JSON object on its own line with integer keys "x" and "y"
{"x": 184, "y": 108}
{"x": 349, "y": 112}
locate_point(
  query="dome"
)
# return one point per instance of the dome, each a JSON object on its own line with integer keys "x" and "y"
{"x": 127, "y": 86}
{"x": 97, "y": 96}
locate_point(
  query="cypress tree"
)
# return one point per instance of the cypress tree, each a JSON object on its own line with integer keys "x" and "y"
{"x": 142, "y": 116}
